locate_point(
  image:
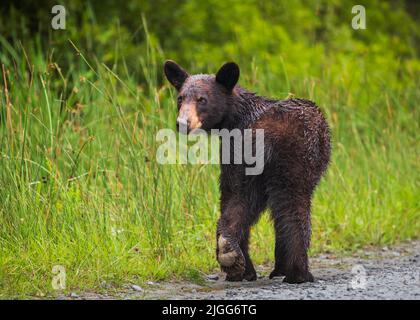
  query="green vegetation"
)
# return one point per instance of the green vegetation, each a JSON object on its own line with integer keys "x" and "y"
{"x": 80, "y": 108}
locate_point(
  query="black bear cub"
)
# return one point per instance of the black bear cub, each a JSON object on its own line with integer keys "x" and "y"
{"x": 296, "y": 154}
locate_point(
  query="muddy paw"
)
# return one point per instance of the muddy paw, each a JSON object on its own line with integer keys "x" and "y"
{"x": 299, "y": 277}
{"x": 250, "y": 276}
{"x": 231, "y": 260}
{"x": 235, "y": 277}
{"x": 277, "y": 272}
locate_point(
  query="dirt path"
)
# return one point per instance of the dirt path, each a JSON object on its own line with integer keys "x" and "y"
{"x": 385, "y": 273}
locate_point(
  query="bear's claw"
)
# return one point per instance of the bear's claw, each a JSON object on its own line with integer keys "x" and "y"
{"x": 299, "y": 278}
{"x": 250, "y": 276}
{"x": 276, "y": 273}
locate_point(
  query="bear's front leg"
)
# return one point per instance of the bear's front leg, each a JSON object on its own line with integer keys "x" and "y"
{"x": 232, "y": 242}
{"x": 231, "y": 258}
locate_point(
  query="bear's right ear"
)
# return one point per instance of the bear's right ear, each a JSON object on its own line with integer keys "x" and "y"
{"x": 228, "y": 75}
{"x": 175, "y": 74}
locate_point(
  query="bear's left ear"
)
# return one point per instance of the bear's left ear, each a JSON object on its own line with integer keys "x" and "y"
{"x": 228, "y": 75}
{"x": 175, "y": 74}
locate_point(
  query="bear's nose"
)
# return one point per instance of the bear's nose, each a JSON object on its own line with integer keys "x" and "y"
{"x": 182, "y": 124}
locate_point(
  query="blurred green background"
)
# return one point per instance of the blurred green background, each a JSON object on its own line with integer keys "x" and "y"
{"x": 80, "y": 108}
{"x": 305, "y": 33}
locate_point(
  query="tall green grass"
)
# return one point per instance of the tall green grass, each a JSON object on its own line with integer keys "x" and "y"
{"x": 80, "y": 186}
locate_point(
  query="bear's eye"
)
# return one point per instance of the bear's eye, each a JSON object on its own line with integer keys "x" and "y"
{"x": 202, "y": 100}
{"x": 179, "y": 99}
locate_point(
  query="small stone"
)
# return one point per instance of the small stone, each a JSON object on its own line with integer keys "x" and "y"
{"x": 213, "y": 277}
{"x": 106, "y": 285}
{"x": 74, "y": 295}
{"x": 136, "y": 288}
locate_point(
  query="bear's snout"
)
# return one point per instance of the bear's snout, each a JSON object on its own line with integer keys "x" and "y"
{"x": 182, "y": 124}
{"x": 188, "y": 119}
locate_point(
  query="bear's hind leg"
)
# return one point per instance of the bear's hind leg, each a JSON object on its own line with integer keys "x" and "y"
{"x": 293, "y": 231}
{"x": 279, "y": 252}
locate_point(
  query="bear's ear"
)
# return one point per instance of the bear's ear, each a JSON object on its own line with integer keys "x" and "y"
{"x": 228, "y": 75}
{"x": 175, "y": 74}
